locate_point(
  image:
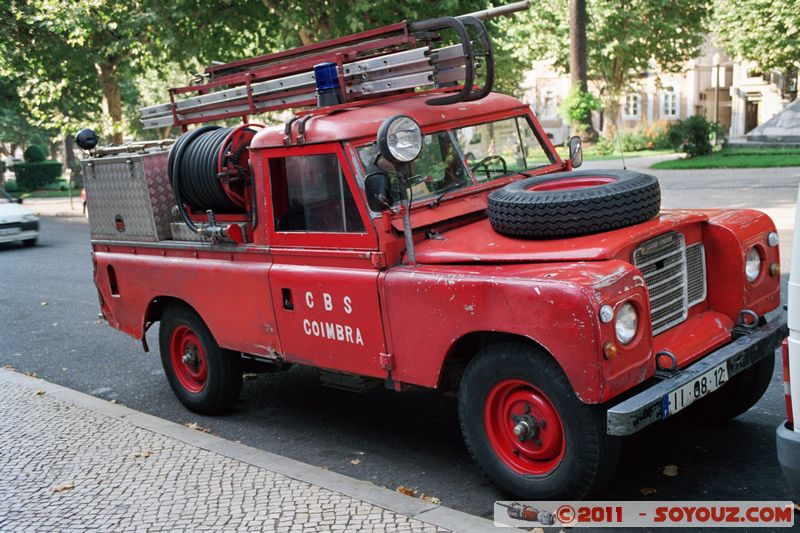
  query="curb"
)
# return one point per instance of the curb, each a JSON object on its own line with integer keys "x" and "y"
{"x": 437, "y": 515}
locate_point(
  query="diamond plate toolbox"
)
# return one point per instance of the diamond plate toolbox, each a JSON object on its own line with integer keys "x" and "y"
{"x": 128, "y": 196}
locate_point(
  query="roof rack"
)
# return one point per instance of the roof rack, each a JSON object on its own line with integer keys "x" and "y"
{"x": 397, "y": 58}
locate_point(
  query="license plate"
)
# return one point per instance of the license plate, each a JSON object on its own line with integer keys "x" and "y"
{"x": 700, "y": 386}
{"x": 9, "y": 231}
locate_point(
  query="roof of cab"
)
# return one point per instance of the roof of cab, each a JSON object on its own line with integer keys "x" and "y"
{"x": 364, "y": 120}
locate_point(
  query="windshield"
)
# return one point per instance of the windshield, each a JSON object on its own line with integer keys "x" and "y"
{"x": 454, "y": 159}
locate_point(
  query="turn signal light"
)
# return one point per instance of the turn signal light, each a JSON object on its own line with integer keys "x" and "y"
{"x": 609, "y": 350}
{"x": 775, "y": 270}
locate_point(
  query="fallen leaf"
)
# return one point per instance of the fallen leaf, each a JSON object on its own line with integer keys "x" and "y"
{"x": 249, "y": 375}
{"x": 430, "y": 499}
{"x": 69, "y": 485}
{"x": 143, "y": 455}
{"x": 647, "y": 491}
{"x": 198, "y": 427}
{"x": 355, "y": 462}
{"x": 405, "y": 490}
{"x": 114, "y": 401}
{"x": 39, "y": 392}
{"x": 8, "y": 367}
{"x": 31, "y": 374}
{"x": 44, "y": 303}
{"x": 670, "y": 470}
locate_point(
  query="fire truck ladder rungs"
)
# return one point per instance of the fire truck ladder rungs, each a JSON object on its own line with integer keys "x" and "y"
{"x": 370, "y": 64}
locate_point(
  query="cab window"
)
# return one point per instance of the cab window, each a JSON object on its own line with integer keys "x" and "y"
{"x": 310, "y": 194}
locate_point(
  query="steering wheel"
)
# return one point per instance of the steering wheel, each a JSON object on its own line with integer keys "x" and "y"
{"x": 485, "y": 164}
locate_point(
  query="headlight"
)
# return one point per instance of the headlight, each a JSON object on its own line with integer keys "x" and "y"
{"x": 400, "y": 139}
{"x": 29, "y": 218}
{"x": 627, "y": 322}
{"x": 752, "y": 266}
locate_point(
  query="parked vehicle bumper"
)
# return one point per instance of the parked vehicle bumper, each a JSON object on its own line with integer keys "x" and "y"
{"x": 788, "y": 442}
{"x": 19, "y": 236}
{"x": 652, "y": 404}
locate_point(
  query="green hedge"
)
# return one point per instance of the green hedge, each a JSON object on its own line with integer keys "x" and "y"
{"x": 32, "y": 176}
{"x": 35, "y": 154}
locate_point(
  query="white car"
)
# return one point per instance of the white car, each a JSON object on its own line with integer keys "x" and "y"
{"x": 17, "y": 223}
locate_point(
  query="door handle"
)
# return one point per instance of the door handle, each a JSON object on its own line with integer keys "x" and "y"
{"x": 286, "y": 295}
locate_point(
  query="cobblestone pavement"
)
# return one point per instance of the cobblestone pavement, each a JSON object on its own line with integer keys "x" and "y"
{"x": 64, "y": 467}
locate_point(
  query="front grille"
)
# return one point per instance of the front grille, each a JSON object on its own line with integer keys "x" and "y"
{"x": 696, "y": 273}
{"x": 10, "y": 225}
{"x": 674, "y": 276}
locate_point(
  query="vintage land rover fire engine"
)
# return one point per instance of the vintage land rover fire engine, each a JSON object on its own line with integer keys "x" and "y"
{"x": 411, "y": 228}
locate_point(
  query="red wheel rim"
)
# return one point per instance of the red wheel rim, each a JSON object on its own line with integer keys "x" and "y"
{"x": 188, "y": 359}
{"x": 513, "y": 403}
{"x": 571, "y": 183}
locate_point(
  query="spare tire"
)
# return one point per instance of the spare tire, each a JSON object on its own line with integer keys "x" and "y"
{"x": 574, "y": 203}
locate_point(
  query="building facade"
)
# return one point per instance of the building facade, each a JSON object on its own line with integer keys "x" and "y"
{"x": 723, "y": 89}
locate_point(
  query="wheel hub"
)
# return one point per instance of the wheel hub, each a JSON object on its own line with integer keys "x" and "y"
{"x": 524, "y": 427}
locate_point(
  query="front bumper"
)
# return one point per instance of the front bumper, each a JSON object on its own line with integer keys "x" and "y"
{"x": 652, "y": 404}
{"x": 789, "y": 456}
{"x": 19, "y": 236}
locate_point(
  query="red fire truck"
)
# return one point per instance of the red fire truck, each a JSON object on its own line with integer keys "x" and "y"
{"x": 409, "y": 228}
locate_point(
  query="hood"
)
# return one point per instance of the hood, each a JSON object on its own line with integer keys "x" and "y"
{"x": 479, "y": 243}
{"x": 13, "y": 212}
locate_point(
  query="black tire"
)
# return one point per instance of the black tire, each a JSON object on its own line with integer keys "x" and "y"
{"x": 29, "y": 242}
{"x": 589, "y": 456}
{"x": 737, "y": 396}
{"x": 222, "y": 383}
{"x": 627, "y": 199}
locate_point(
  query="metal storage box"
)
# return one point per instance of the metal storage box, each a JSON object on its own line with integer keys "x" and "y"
{"x": 128, "y": 196}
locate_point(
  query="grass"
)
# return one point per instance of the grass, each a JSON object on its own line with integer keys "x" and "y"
{"x": 756, "y": 157}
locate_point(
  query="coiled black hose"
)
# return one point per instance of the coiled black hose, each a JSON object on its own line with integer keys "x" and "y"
{"x": 193, "y": 167}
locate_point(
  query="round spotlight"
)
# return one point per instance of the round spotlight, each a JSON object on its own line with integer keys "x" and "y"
{"x": 400, "y": 139}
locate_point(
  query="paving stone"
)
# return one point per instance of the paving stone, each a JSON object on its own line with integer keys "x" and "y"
{"x": 46, "y": 442}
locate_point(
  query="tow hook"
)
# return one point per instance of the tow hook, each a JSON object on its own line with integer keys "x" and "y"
{"x": 748, "y": 323}
{"x": 527, "y": 427}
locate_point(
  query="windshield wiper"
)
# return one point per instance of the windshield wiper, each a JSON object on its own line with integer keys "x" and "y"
{"x": 438, "y": 198}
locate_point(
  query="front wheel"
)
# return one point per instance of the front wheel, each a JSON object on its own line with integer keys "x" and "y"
{"x": 206, "y": 379}
{"x": 527, "y": 430}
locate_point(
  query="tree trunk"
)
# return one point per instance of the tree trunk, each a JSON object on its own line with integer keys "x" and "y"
{"x": 577, "y": 60}
{"x": 112, "y": 94}
{"x": 577, "y": 38}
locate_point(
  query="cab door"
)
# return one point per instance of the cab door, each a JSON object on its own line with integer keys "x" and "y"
{"x": 324, "y": 278}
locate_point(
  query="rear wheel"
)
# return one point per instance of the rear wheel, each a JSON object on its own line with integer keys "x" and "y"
{"x": 206, "y": 378}
{"x": 528, "y": 431}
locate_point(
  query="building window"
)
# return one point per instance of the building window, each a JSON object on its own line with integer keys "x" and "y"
{"x": 669, "y": 104}
{"x": 549, "y": 105}
{"x": 632, "y": 105}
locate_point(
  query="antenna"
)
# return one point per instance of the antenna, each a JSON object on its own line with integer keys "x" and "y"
{"x": 616, "y": 125}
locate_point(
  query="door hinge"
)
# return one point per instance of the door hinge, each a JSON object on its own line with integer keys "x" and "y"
{"x": 386, "y": 360}
{"x": 378, "y": 259}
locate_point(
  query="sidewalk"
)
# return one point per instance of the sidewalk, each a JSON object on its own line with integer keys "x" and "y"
{"x": 55, "y": 207}
{"x": 70, "y": 461}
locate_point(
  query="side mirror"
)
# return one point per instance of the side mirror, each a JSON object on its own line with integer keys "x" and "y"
{"x": 575, "y": 151}
{"x": 378, "y": 189}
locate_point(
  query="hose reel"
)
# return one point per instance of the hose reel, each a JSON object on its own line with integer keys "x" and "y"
{"x": 209, "y": 170}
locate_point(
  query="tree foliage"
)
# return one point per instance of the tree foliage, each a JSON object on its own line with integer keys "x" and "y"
{"x": 622, "y": 37}
{"x": 765, "y": 31}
